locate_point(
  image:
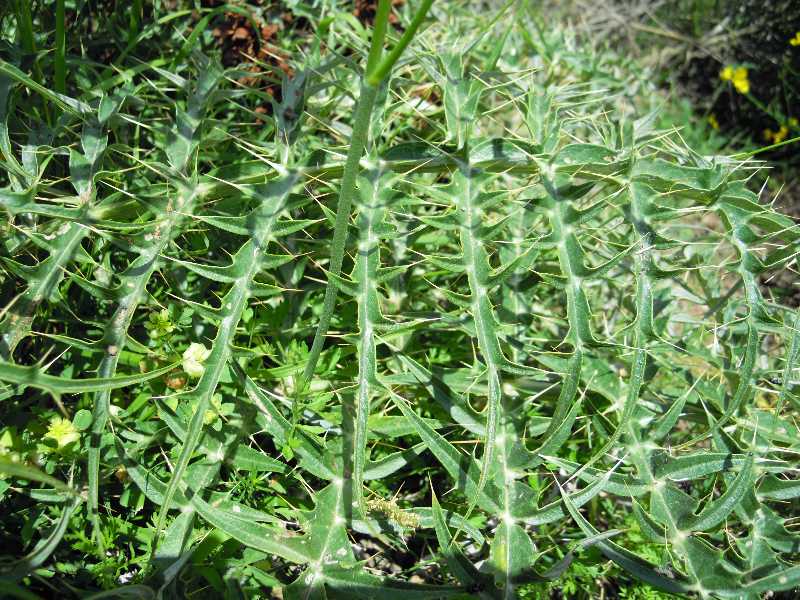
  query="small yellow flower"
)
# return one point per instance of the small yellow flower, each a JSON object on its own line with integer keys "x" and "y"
{"x": 62, "y": 431}
{"x": 738, "y": 77}
{"x": 795, "y": 41}
{"x": 193, "y": 358}
{"x": 792, "y": 122}
{"x": 776, "y": 137}
{"x": 712, "y": 120}
{"x": 740, "y": 81}
{"x": 780, "y": 135}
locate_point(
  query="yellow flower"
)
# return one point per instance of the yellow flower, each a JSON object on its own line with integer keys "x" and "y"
{"x": 738, "y": 77}
{"x": 776, "y": 137}
{"x": 712, "y": 120}
{"x": 193, "y": 359}
{"x": 62, "y": 431}
{"x": 795, "y": 41}
{"x": 792, "y": 122}
{"x": 740, "y": 81}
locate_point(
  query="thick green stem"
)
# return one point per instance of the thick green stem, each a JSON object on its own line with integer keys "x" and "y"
{"x": 357, "y": 143}
{"x": 378, "y": 35}
{"x": 60, "y": 58}
{"x": 376, "y": 74}
{"x": 381, "y": 72}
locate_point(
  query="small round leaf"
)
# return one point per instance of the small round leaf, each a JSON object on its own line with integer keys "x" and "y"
{"x": 82, "y": 420}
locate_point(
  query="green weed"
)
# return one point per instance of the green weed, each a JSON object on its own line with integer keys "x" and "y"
{"x": 463, "y": 323}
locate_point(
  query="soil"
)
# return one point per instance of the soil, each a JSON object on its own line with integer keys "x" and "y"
{"x": 254, "y": 43}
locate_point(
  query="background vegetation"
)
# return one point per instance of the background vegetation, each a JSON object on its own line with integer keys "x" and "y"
{"x": 554, "y": 301}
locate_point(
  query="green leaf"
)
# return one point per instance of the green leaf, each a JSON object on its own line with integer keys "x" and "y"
{"x": 33, "y": 474}
{"x": 633, "y": 564}
{"x": 273, "y": 199}
{"x": 307, "y": 447}
{"x": 460, "y": 467}
{"x": 338, "y": 582}
{"x": 785, "y": 579}
{"x": 772, "y": 488}
{"x": 65, "y": 103}
{"x": 253, "y": 535}
{"x": 464, "y": 570}
{"x": 33, "y": 377}
{"x": 717, "y": 510}
{"x": 82, "y": 420}
{"x": 230, "y": 450}
{"x": 511, "y": 557}
{"x": 694, "y": 466}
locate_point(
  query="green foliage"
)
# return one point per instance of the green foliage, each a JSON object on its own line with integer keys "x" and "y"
{"x": 479, "y": 329}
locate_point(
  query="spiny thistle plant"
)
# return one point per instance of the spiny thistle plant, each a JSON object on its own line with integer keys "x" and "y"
{"x": 460, "y": 309}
